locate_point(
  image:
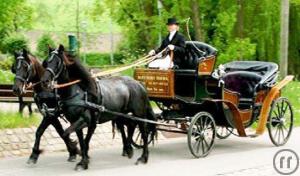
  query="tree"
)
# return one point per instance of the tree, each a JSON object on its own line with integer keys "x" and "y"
{"x": 15, "y": 15}
{"x": 284, "y": 37}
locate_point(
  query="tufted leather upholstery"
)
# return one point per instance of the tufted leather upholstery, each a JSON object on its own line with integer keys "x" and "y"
{"x": 243, "y": 82}
{"x": 193, "y": 54}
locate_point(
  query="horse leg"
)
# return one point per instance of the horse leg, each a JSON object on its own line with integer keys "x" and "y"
{"x": 29, "y": 109}
{"x": 120, "y": 126}
{"x": 130, "y": 132}
{"x": 89, "y": 134}
{"x": 71, "y": 145}
{"x": 83, "y": 164}
{"x": 38, "y": 134}
{"x": 144, "y": 133}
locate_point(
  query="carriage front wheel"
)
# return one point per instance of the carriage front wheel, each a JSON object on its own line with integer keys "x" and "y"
{"x": 280, "y": 122}
{"x": 201, "y": 134}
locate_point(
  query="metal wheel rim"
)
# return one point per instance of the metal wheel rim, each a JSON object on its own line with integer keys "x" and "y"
{"x": 223, "y": 132}
{"x": 137, "y": 140}
{"x": 280, "y": 122}
{"x": 201, "y": 134}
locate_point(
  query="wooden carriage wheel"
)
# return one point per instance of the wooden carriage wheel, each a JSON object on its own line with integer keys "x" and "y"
{"x": 201, "y": 134}
{"x": 224, "y": 132}
{"x": 137, "y": 140}
{"x": 280, "y": 121}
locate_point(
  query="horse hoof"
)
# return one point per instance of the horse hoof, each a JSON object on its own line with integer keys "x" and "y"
{"x": 124, "y": 153}
{"x": 72, "y": 158}
{"x": 142, "y": 160}
{"x": 81, "y": 166}
{"x": 31, "y": 161}
{"x": 130, "y": 154}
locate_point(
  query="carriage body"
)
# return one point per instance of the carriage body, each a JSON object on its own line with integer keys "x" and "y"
{"x": 233, "y": 96}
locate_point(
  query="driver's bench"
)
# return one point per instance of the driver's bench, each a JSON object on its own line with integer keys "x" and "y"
{"x": 199, "y": 61}
{"x": 181, "y": 82}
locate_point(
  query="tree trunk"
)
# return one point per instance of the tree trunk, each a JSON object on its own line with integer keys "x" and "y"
{"x": 240, "y": 24}
{"x": 284, "y": 37}
{"x": 77, "y": 27}
{"x": 196, "y": 19}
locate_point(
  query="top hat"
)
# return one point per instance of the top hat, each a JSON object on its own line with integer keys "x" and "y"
{"x": 172, "y": 21}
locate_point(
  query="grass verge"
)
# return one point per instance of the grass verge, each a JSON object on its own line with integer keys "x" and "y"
{"x": 15, "y": 120}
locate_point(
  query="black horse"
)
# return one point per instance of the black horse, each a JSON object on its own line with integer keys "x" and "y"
{"x": 119, "y": 94}
{"x": 29, "y": 70}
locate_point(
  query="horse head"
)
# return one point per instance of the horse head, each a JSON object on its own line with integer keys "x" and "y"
{"x": 23, "y": 68}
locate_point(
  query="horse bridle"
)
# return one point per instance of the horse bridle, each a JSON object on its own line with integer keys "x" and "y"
{"x": 60, "y": 65}
{"x": 20, "y": 60}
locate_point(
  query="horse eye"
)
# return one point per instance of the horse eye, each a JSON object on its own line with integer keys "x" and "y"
{"x": 45, "y": 64}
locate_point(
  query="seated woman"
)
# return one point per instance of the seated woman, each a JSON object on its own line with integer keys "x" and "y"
{"x": 175, "y": 42}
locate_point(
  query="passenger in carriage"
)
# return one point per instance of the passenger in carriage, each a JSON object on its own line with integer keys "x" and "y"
{"x": 175, "y": 42}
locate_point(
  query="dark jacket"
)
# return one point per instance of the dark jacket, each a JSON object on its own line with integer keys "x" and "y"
{"x": 178, "y": 41}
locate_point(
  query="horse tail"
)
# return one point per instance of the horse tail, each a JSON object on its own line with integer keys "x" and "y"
{"x": 151, "y": 116}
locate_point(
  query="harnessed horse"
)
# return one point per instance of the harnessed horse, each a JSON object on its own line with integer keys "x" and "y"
{"x": 28, "y": 71}
{"x": 119, "y": 94}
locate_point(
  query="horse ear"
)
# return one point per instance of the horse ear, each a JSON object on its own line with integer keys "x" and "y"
{"x": 50, "y": 49}
{"x": 61, "y": 48}
{"x": 25, "y": 54}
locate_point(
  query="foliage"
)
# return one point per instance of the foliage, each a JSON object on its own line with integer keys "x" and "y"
{"x": 290, "y": 92}
{"x": 15, "y": 15}
{"x": 251, "y": 28}
{"x": 6, "y": 77}
{"x": 58, "y": 15}
{"x": 101, "y": 59}
{"x": 16, "y": 120}
{"x": 6, "y": 63}
{"x": 43, "y": 45}
{"x": 14, "y": 43}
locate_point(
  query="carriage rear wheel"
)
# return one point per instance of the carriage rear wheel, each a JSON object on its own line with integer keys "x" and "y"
{"x": 201, "y": 134}
{"x": 280, "y": 122}
{"x": 223, "y": 132}
{"x": 137, "y": 140}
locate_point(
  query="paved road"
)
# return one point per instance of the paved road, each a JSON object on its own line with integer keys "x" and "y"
{"x": 233, "y": 156}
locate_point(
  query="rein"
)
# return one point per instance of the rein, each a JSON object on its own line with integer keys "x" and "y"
{"x": 143, "y": 61}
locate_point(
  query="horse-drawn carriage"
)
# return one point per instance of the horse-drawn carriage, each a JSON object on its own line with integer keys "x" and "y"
{"x": 205, "y": 102}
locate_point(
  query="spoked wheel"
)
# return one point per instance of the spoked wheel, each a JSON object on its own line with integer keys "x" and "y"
{"x": 137, "y": 140}
{"x": 201, "y": 134}
{"x": 281, "y": 121}
{"x": 223, "y": 132}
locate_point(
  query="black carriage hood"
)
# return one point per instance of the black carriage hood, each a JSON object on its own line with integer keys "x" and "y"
{"x": 259, "y": 67}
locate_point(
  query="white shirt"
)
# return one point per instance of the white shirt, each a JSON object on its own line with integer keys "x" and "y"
{"x": 171, "y": 35}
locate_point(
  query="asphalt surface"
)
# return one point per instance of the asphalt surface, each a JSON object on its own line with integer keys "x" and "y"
{"x": 232, "y": 156}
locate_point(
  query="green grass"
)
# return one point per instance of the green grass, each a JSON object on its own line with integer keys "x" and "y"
{"x": 292, "y": 92}
{"x": 15, "y": 120}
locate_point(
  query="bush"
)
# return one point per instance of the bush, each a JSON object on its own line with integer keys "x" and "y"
{"x": 101, "y": 59}
{"x": 6, "y": 77}
{"x": 14, "y": 43}
{"x": 6, "y": 63}
{"x": 43, "y": 44}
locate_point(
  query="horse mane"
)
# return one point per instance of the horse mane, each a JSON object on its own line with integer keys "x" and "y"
{"x": 38, "y": 68}
{"x": 78, "y": 71}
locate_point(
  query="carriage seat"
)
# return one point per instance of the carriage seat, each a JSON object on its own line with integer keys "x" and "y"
{"x": 195, "y": 50}
{"x": 243, "y": 82}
